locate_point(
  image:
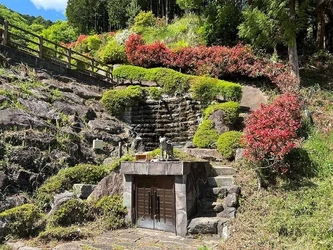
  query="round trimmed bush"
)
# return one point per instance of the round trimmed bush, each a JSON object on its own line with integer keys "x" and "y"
{"x": 206, "y": 135}
{"x": 228, "y": 142}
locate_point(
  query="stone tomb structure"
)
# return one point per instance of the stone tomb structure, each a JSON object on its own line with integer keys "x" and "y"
{"x": 163, "y": 195}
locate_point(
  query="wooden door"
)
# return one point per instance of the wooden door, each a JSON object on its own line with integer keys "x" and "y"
{"x": 155, "y": 202}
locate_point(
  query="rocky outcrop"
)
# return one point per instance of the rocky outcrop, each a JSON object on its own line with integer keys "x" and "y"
{"x": 109, "y": 185}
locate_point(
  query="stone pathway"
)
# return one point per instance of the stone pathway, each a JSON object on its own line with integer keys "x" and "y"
{"x": 141, "y": 239}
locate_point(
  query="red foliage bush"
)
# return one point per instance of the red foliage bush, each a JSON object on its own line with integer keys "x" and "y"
{"x": 216, "y": 61}
{"x": 271, "y": 132}
{"x": 148, "y": 56}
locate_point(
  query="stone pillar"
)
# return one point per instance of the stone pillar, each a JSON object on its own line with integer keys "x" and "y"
{"x": 181, "y": 209}
{"x": 127, "y": 195}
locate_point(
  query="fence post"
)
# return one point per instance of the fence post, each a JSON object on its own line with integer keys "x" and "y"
{"x": 69, "y": 57}
{"x": 92, "y": 65}
{"x": 109, "y": 72}
{"x": 40, "y": 47}
{"x": 5, "y": 33}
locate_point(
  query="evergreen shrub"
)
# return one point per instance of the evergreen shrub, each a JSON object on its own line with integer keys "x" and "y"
{"x": 22, "y": 221}
{"x": 231, "y": 111}
{"x": 62, "y": 234}
{"x": 116, "y": 100}
{"x": 206, "y": 135}
{"x": 206, "y": 89}
{"x": 73, "y": 211}
{"x": 113, "y": 53}
{"x": 228, "y": 142}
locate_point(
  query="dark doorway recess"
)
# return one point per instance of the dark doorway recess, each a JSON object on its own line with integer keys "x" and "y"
{"x": 155, "y": 202}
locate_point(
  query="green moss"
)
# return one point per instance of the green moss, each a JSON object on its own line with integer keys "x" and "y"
{"x": 116, "y": 100}
{"x": 231, "y": 111}
{"x": 206, "y": 136}
{"x": 155, "y": 93}
{"x": 228, "y": 142}
{"x": 22, "y": 221}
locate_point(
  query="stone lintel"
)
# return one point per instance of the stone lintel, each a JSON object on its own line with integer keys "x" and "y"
{"x": 156, "y": 168}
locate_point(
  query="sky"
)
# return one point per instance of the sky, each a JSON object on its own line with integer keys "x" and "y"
{"x": 49, "y": 9}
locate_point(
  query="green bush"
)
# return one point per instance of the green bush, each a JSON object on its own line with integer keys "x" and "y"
{"x": 206, "y": 135}
{"x": 113, "y": 53}
{"x": 80, "y": 62}
{"x": 112, "y": 211}
{"x": 93, "y": 42}
{"x": 116, "y": 100}
{"x": 206, "y": 89}
{"x": 171, "y": 81}
{"x": 143, "y": 20}
{"x": 155, "y": 93}
{"x": 73, "y": 211}
{"x": 228, "y": 142}
{"x": 22, "y": 221}
{"x": 63, "y": 234}
{"x": 231, "y": 111}
{"x": 66, "y": 177}
{"x": 130, "y": 72}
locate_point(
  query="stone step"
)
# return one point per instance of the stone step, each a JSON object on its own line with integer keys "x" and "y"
{"x": 209, "y": 225}
{"x": 220, "y": 181}
{"x": 223, "y": 170}
{"x": 211, "y": 206}
{"x": 215, "y": 192}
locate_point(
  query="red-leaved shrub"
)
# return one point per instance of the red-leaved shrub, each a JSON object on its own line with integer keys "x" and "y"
{"x": 215, "y": 61}
{"x": 271, "y": 132}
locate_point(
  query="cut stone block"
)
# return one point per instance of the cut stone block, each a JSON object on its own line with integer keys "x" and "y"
{"x": 219, "y": 181}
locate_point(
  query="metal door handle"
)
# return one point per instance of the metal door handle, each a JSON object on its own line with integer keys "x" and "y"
{"x": 150, "y": 201}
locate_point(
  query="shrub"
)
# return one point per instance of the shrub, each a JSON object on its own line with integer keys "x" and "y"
{"x": 143, "y": 20}
{"x": 113, "y": 53}
{"x": 80, "y": 62}
{"x": 66, "y": 177}
{"x": 22, "y": 221}
{"x": 171, "y": 81}
{"x": 206, "y": 89}
{"x": 271, "y": 132}
{"x": 230, "y": 109}
{"x": 93, "y": 42}
{"x": 206, "y": 135}
{"x": 112, "y": 211}
{"x": 73, "y": 211}
{"x": 228, "y": 142}
{"x": 130, "y": 72}
{"x": 154, "y": 92}
{"x": 63, "y": 234}
{"x": 116, "y": 100}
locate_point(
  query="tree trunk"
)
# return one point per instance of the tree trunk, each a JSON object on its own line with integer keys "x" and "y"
{"x": 320, "y": 11}
{"x": 292, "y": 45}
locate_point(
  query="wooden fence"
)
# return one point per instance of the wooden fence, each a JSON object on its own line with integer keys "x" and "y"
{"x": 48, "y": 50}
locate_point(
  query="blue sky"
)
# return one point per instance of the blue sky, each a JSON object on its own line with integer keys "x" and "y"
{"x": 49, "y": 9}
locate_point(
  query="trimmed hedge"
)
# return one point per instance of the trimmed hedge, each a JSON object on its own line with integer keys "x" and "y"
{"x": 171, "y": 81}
{"x": 206, "y": 135}
{"x": 206, "y": 89}
{"x": 116, "y": 100}
{"x": 231, "y": 111}
{"x": 228, "y": 142}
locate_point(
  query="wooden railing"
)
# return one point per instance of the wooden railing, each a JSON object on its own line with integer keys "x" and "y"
{"x": 48, "y": 50}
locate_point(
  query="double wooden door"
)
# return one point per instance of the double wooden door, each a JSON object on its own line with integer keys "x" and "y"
{"x": 155, "y": 202}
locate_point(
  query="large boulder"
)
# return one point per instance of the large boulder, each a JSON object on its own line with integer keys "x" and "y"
{"x": 82, "y": 191}
{"x": 109, "y": 185}
{"x": 11, "y": 117}
{"x": 217, "y": 117}
{"x": 252, "y": 97}
{"x": 60, "y": 199}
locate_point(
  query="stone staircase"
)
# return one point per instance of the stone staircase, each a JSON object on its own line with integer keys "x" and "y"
{"x": 218, "y": 204}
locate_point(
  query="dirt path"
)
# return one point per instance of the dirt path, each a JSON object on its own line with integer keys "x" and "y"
{"x": 141, "y": 239}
